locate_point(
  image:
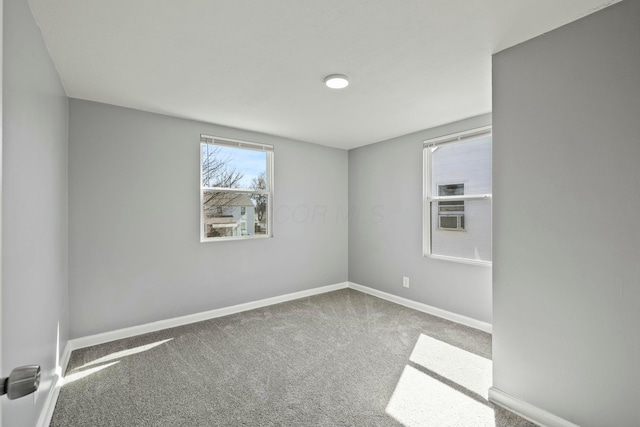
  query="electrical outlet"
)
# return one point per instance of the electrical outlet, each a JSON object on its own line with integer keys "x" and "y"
{"x": 405, "y": 282}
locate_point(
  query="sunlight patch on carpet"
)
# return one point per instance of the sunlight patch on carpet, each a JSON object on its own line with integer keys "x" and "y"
{"x": 420, "y": 400}
{"x": 68, "y": 379}
{"x": 123, "y": 353}
{"x": 453, "y": 390}
{"x": 469, "y": 370}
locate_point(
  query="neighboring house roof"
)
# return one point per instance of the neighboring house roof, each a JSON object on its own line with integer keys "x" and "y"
{"x": 221, "y": 221}
{"x": 229, "y": 199}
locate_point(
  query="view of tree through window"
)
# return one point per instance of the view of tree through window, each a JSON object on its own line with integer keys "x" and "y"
{"x": 235, "y": 189}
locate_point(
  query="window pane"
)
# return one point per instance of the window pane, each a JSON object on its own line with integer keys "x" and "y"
{"x": 231, "y": 167}
{"x": 466, "y": 235}
{"x": 462, "y": 168}
{"x": 231, "y": 214}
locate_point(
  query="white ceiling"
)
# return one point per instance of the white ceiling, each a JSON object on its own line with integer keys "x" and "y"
{"x": 260, "y": 64}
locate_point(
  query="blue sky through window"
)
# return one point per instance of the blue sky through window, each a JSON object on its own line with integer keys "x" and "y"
{"x": 250, "y": 163}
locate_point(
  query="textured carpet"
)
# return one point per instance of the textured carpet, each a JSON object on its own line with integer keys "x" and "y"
{"x": 342, "y": 358}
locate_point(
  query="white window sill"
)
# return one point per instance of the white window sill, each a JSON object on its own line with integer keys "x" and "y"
{"x": 460, "y": 260}
{"x": 236, "y": 238}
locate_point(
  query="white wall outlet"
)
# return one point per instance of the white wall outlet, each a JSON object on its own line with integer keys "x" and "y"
{"x": 405, "y": 282}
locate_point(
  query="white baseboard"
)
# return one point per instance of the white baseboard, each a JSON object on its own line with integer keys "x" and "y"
{"x": 526, "y": 410}
{"x": 118, "y": 334}
{"x": 54, "y": 391}
{"x": 454, "y": 317}
{"x": 197, "y": 317}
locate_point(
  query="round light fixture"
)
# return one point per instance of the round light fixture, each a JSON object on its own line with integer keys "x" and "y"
{"x": 336, "y": 81}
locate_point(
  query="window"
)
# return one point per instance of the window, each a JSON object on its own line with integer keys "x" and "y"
{"x": 236, "y": 189}
{"x": 457, "y": 197}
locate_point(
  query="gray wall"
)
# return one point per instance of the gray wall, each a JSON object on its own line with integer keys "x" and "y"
{"x": 385, "y": 231}
{"x": 566, "y": 234}
{"x": 34, "y": 209}
{"x": 135, "y": 254}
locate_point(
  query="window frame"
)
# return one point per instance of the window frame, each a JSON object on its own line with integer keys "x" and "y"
{"x": 269, "y": 191}
{"x": 429, "y": 147}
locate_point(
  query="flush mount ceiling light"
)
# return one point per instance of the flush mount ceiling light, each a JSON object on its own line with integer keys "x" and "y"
{"x": 336, "y": 81}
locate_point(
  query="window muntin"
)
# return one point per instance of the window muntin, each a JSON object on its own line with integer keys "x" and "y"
{"x": 458, "y": 197}
{"x": 236, "y": 189}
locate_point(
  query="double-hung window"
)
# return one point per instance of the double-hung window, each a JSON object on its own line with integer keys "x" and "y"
{"x": 457, "y": 197}
{"x": 236, "y": 189}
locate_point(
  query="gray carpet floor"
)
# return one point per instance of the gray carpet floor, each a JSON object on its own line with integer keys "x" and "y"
{"x": 342, "y": 358}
